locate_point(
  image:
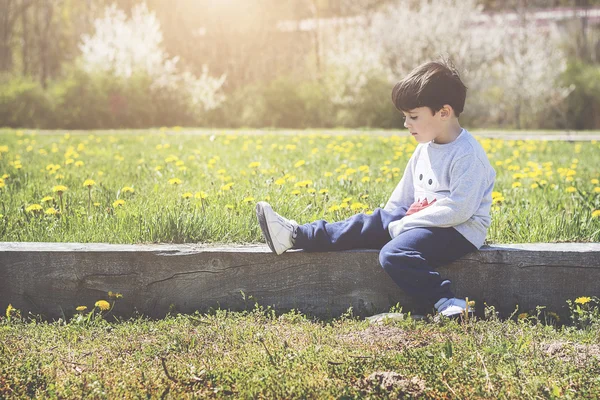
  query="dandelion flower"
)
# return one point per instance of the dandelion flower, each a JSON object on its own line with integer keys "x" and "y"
{"x": 583, "y": 300}
{"x": 254, "y": 164}
{"x": 597, "y": 189}
{"x": 516, "y": 184}
{"x": 280, "y": 181}
{"x": 227, "y": 187}
{"x": 187, "y": 195}
{"x": 89, "y": 183}
{"x": 60, "y": 189}
{"x": 47, "y": 199}
{"x": 103, "y": 305}
{"x": 34, "y": 208}
{"x": 299, "y": 163}
{"x": 118, "y": 203}
{"x": 596, "y": 214}
{"x": 200, "y": 195}
{"x": 295, "y": 192}
{"x": 595, "y": 181}
{"x": 175, "y": 181}
{"x": 327, "y": 174}
{"x": 81, "y": 308}
{"x": 51, "y": 211}
{"x": 571, "y": 189}
{"x": 2, "y": 184}
{"x": 323, "y": 191}
{"x": 365, "y": 179}
{"x": 128, "y": 189}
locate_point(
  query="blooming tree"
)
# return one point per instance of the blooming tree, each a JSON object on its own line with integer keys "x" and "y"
{"x": 124, "y": 46}
{"x": 511, "y": 68}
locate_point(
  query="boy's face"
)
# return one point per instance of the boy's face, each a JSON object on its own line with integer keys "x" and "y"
{"x": 423, "y": 126}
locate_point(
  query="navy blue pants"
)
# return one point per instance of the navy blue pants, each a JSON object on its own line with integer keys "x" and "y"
{"x": 410, "y": 258}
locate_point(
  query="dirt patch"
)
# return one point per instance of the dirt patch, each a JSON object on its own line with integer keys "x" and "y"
{"x": 572, "y": 352}
{"x": 386, "y": 338}
{"x": 393, "y": 381}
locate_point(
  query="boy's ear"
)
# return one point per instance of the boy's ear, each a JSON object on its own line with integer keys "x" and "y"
{"x": 446, "y": 111}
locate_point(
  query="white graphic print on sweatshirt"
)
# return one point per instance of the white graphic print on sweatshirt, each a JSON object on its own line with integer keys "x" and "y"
{"x": 426, "y": 187}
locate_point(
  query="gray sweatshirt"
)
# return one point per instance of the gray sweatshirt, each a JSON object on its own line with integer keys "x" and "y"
{"x": 446, "y": 185}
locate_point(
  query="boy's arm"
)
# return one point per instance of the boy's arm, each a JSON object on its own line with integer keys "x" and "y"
{"x": 403, "y": 194}
{"x": 468, "y": 185}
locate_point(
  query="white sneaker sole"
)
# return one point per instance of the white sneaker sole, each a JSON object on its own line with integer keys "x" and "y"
{"x": 261, "y": 209}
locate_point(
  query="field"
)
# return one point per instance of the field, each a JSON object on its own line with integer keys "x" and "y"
{"x": 258, "y": 354}
{"x": 169, "y": 185}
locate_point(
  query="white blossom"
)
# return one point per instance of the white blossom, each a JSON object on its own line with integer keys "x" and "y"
{"x": 123, "y": 47}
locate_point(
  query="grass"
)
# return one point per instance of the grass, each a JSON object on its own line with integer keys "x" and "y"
{"x": 169, "y": 186}
{"x": 259, "y": 354}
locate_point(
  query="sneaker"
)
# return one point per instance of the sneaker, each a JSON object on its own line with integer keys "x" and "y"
{"x": 452, "y": 307}
{"x": 279, "y": 232}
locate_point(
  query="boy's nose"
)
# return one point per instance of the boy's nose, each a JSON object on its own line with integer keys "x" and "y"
{"x": 405, "y": 124}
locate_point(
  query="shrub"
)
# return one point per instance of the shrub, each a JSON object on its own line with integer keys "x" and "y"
{"x": 23, "y": 103}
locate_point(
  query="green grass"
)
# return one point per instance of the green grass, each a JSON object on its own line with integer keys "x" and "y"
{"x": 560, "y": 206}
{"x": 259, "y": 354}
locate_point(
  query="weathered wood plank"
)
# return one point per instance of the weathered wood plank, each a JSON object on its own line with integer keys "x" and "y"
{"x": 52, "y": 278}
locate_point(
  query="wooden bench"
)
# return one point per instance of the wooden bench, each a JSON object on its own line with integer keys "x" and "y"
{"x": 53, "y": 278}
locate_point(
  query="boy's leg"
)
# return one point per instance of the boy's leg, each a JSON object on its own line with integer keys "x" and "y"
{"x": 358, "y": 231}
{"x": 411, "y": 258}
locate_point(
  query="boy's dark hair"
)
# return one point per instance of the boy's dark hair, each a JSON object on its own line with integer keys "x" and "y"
{"x": 432, "y": 85}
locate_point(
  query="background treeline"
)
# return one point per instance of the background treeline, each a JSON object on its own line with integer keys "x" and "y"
{"x": 82, "y": 64}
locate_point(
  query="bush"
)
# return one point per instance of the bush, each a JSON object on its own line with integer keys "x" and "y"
{"x": 583, "y": 103}
{"x": 23, "y": 103}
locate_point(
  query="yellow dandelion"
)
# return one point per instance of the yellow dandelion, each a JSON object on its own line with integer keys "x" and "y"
{"x": 357, "y": 206}
{"x": 34, "y": 208}
{"x": 2, "y": 184}
{"x": 79, "y": 163}
{"x": 327, "y": 174}
{"x": 51, "y": 211}
{"x": 227, "y": 186}
{"x": 81, "y": 308}
{"x": 118, "y": 203}
{"x": 47, "y": 199}
{"x": 248, "y": 200}
{"x": 323, "y": 191}
{"x": 60, "y": 189}
{"x": 175, "y": 181}
{"x": 254, "y": 164}
{"x": 200, "y": 195}
{"x": 9, "y": 310}
{"x": 583, "y": 300}
{"x": 311, "y": 190}
{"x": 299, "y": 163}
{"x": 516, "y": 184}
{"x": 89, "y": 183}
{"x": 365, "y": 179}
{"x": 295, "y": 192}
{"x": 597, "y": 189}
{"x": 571, "y": 189}
{"x": 595, "y": 181}
{"x": 187, "y": 195}
{"x": 102, "y": 305}
{"x": 128, "y": 189}
{"x": 596, "y": 214}
{"x": 333, "y": 208}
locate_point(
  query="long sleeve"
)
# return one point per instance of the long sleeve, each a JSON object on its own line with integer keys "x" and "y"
{"x": 403, "y": 194}
{"x": 469, "y": 184}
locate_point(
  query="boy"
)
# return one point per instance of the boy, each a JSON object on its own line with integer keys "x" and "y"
{"x": 439, "y": 211}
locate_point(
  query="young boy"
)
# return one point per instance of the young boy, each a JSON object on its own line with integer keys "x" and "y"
{"x": 439, "y": 211}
